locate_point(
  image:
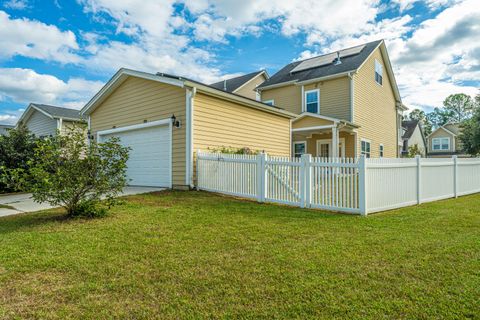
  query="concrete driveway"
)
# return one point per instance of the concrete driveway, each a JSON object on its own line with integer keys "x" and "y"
{"x": 19, "y": 203}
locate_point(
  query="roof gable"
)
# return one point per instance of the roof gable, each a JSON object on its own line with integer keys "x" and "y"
{"x": 442, "y": 128}
{"x": 233, "y": 84}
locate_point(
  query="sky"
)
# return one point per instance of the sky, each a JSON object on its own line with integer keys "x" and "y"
{"x": 62, "y": 52}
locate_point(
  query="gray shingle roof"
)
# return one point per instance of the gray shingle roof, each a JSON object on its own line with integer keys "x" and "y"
{"x": 409, "y": 126}
{"x": 60, "y": 112}
{"x": 235, "y": 83}
{"x": 349, "y": 63}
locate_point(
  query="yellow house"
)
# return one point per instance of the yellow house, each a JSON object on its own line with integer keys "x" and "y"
{"x": 444, "y": 142}
{"x": 347, "y": 103}
{"x": 244, "y": 85}
{"x": 165, "y": 119}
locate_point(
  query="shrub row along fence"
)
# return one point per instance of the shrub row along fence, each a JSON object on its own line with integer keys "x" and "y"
{"x": 359, "y": 186}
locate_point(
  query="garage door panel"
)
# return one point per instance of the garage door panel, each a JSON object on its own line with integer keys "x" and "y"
{"x": 149, "y": 163}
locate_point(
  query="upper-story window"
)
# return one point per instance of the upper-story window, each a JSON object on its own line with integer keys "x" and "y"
{"x": 270, "y": 102}
{"x": 441, "y": 144}
{"x": 312, "y": 101}
{"x": 378, "y": 72}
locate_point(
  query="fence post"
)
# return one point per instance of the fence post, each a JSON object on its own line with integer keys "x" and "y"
{"x": 261, "y": 176}
{"x": 306, "y": 183}
{"x": 197, "y": 170}
{"x": 362, "y": 184}
{"x": 419, "y": 179}
{"x": 455, "y": 176}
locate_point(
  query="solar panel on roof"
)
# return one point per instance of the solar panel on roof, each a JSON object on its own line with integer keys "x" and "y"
{"x": 326, "y": 59}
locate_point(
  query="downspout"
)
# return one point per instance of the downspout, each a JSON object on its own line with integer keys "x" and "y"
{"x": 352, "y": 118}
{"x": 189, "y": 148}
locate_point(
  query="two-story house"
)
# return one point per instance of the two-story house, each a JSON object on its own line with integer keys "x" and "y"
{"x": 347, "y": 103}
{"x": 413, "y": 135}
{"x": 444, "y": 142}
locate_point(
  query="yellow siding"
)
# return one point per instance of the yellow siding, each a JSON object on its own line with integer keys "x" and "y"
{"x": 310, "y": 122}
{"x": 220, "y": 123}
{"x": 334, "y": 97}
{"x": 137, "y": 100}
{"x": 374, "y": 109}
{"x": 249, "y": 89}
{"x": 440, "y": 133}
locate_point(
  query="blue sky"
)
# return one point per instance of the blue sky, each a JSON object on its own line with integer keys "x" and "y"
{"x": 62, "y": 52}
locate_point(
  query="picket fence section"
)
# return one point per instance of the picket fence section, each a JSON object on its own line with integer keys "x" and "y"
{"x": 359, "y": 186}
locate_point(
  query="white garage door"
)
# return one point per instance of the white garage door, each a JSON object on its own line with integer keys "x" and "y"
{"x": 149, "y": 163}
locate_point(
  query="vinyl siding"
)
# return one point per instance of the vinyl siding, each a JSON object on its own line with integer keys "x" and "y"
{"x": 41, "y": 125}
{"x": 310, "y": 122}
{"x": 220, "y": 123}
{"x": 440, "y": 133}
{"x": 334, "y": 97}
{"x": 417, "y": 139}
{"x": 375, "y": 110}
{"x": 136, "y": 100}
{"x": 249, "y": 89}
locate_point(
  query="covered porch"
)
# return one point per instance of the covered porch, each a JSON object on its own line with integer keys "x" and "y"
{"x": 321, "y": 136}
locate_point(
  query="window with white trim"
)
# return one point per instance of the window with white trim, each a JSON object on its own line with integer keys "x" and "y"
{"x": 439, "y": 144}
{"x": 365, "y": 148}
{"x": 381, "y": 150}
{"x": 299, "y": 148}
{"x": 378, "y": 72}
{"x": 269, "y": 102}
{"x": 312, "y": 101}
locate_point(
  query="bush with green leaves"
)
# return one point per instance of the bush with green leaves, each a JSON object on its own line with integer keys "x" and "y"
{"x": 232, "y": 150}
{"x": 67, "y": 171}
{"x": 16, "y": 150}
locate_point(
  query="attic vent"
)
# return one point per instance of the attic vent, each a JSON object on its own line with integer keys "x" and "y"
{"x": 337, "y": 60}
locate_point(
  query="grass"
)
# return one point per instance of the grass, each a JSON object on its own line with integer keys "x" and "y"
{"x": 199, "y": 255}
{"x": 4, "y": 206}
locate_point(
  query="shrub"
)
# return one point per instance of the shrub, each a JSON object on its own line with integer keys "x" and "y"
{"x": 231, "y": 150}
{"x": 16, "y": 150}
{"x": 69, "y": 172}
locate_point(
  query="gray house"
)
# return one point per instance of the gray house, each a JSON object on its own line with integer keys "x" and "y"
{"x": 44, "y": 120}
{"x": 4, "y": 128}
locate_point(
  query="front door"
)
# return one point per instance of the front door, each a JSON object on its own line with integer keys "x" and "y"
{"x": 324, "y": 148}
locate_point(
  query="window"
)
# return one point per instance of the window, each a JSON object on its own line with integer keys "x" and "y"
{"x": 299, "y": 148}
{"x": 441, "y": 144}
{"x": 380, "y": 150}
{"x": 269, "y": 102}
{"x": 365, "y": 148}
{"x": 378, "y": 72}
{"x": 312, "y": 101}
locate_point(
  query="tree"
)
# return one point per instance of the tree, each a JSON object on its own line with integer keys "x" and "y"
{"x": 459, "y": 106}
{"x": 16, "y": 150}
{"x": 69, "y": 172}
{"x": 421, "y": 116}
{"x": 414, "y": 151}
{"x": 470, "y": 136}
{"x": 439, "y": 117}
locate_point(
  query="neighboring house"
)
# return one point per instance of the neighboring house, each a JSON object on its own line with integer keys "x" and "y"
{"x": 444, "y": 142}
{"x": 347, "y": 103}
{"x": 4, "y": 129}
{"x": 44, "y": 120}
{"x": 413, "y": 135}
{"x": 165, "y": 119}
{"x": 245, "y": 85}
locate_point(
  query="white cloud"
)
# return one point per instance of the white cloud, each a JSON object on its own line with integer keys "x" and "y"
{"x": 34, "y": 39}
{"x": 25, "y": 86}
{"x": 16, "y": 4}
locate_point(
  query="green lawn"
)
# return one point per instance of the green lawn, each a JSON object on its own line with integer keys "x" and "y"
{"x": 198, "y": 255}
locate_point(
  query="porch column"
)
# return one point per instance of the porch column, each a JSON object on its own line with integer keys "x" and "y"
{"x": 334, "y": 152}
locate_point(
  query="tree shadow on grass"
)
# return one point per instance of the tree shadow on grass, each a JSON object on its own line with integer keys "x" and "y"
{"x": 29, "y": 221}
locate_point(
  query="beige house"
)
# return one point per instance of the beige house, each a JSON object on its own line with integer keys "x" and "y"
{"x": 44, "y": 120}
{"x": 164, "y": 119}
{"x": 413, "y": 135}
{"x": 444, "y": 142}
{"x": 347, "y": 103}
{"x": 245, "y": 85}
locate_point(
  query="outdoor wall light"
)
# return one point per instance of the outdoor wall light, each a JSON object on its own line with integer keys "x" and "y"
{"x": 175, "y": 122}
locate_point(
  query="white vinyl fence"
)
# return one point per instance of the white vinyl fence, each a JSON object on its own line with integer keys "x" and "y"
{"x": 341, "y": 184}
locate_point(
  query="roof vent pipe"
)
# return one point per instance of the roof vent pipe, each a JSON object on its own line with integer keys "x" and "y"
{"x": 337, "y": 59}
{"x": 224, "y": 85}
